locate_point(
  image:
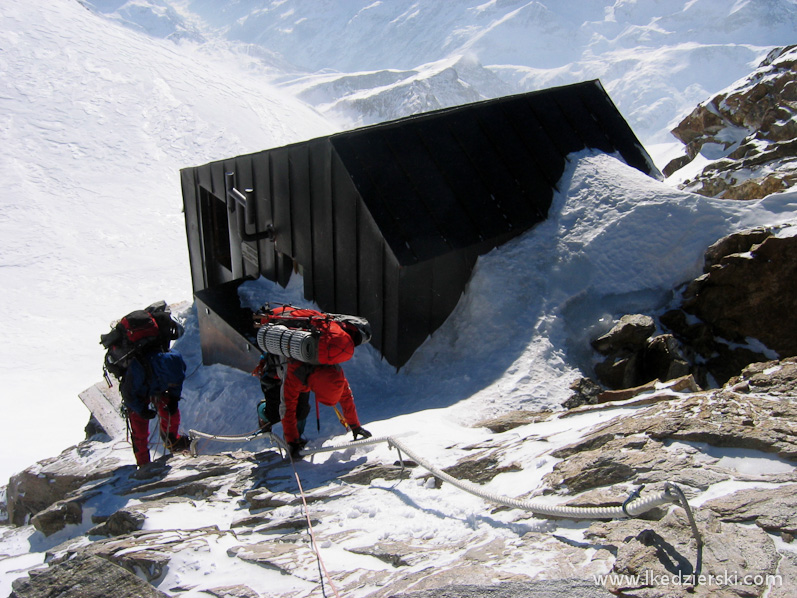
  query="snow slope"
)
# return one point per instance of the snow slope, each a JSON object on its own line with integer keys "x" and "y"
{"x": 103, "y": 101}
{"x": 97, "y": 120}
{"x": 614, "y": 240}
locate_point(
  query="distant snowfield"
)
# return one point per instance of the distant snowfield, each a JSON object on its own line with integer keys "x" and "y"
{"x": 99, "y": 111}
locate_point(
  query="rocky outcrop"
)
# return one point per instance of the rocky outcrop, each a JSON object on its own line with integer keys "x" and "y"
{"x": 50, "y": 481}
{"x": 84, "y": 577}
{"x": 738, "y": 312}
{"x": 751, "y": 294}
{"x": 749, "y": 133}
{"x": 633, "y": 357}
{"x": 748, "y": 291}
{"x": 124, "y": 527}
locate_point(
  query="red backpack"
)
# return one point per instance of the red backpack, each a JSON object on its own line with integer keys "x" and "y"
{"x": 334, "y": 336}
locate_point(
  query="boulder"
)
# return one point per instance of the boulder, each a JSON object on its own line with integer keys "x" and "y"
{"x": 628, "y": 335}
{"x": 51, "y": 480}
{"x": 659, "y": 358}
{"x": 661, "y": 559}
{"x": 772, "y": 509}
{"x": 751, "y": 295}
{"x": 736, "y": 243}
{"x": 722, "y": 418}
{"x": 775, "y": 378}
{"x": 236, "y": 591}
{"x": 585, "y": 392}
{"x": 631, "y": 459}
{"x": 84, "y": 577}
{"x": 481, "y": 467}
{"x": 512, "y": 420}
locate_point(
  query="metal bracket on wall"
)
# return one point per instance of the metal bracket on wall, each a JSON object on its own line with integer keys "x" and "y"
{"x": 240, "y": 204}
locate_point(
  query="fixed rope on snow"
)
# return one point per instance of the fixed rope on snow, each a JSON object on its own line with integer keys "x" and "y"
{"x": 633, "y": 507}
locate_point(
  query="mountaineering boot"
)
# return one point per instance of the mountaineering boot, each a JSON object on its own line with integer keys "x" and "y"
{"x": 177, "y": 444}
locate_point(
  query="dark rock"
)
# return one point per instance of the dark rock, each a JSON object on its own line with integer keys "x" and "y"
{"x": 771, "y": 509}
{"x": 628, "y": 335}
{"x": 368, "y": 473}
{"x": 662, "y": 359}
{"x": 57, "y": 516}
{"x": 676, "y": 164}
{"x": 84, "y": 577}
{"x": 480, "y": 468}
{"x": 740, "y": 242}
{"x": 51, "y": 480}
{"x": 611, "y": 372}
{"x": 512, "y": 420}
{"x": 122, "y": 522}
{"x": 237, "y": 591}
{"x": 754, "y": 296}
{"x": 585, "y": 392}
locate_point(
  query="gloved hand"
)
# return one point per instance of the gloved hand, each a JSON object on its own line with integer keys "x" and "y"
{"x": 172, "y": 402}
{"x": 360, "y": 431}
{"x": 149, "y": 413}
{"x": 296, "y": 449}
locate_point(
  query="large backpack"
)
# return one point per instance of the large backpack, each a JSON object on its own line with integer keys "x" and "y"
{"x": 309, "y": 335}
{"x": 149, "y": 329}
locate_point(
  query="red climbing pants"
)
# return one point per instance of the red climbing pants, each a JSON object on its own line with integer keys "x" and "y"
{"x": 139, "y": 429}
{"x": 329, "y": 385}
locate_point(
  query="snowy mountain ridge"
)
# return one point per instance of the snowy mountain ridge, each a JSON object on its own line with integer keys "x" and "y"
{"x": 656, "y": 60}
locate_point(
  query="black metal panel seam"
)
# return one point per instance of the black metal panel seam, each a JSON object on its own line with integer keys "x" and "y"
{"x": 201, "y": 228}
{"x": 545, "y": 174}
{"x": 253, "y": 199}
{"x": 540, "y": 171}
{"x": 396, "y": 220}
{"x": 312, "y": 221}
{"x": 357, "y": 233}
{"x": 494, "y": 149}
{"x": 562, "y": 155}
{"x": 479, "y": 173}
{"x": 569, "y": 122}
{"x": 442, "y": 172}
{"x": 329, "y": 156}
{"x": 291, "y": 208}
{"x": 385, "y": 205}
{"x": 421, "y": 196}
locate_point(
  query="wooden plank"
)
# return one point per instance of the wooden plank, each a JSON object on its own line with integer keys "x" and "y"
{"x": 105, "y": 405}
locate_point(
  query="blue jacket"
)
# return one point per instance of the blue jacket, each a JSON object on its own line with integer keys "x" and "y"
{"x": 151, "y": 375}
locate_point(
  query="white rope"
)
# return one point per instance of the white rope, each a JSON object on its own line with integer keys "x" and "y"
{"x": 632, "y": 508}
